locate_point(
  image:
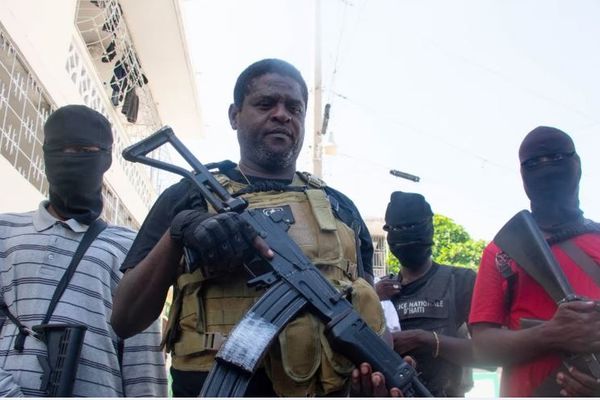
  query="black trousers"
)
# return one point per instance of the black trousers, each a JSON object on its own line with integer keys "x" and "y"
{"x": 189, "y": 384}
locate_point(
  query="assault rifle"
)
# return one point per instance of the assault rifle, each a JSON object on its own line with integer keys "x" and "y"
{"x": 521, "y": 239}
{"x": 293, "y": 283}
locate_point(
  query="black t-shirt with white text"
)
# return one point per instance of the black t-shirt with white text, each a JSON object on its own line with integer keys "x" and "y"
{"x": 437, "y": 301}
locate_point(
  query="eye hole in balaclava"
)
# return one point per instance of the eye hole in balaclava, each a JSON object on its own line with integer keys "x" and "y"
{"x": 409, "y": 227}
{"x": 551, "y": 170}
{"x": 77, "y": 152}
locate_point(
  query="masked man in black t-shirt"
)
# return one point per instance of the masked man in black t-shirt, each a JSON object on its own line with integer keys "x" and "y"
{"x": 432, "y": 300}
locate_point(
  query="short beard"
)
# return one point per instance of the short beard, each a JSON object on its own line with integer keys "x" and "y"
{"x": 273, "y": 160}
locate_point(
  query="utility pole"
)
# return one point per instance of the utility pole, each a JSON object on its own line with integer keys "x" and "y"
{"x": 318, "y": 90}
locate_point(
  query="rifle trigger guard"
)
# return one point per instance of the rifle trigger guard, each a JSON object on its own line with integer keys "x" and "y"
{"x": 263, "y": 281}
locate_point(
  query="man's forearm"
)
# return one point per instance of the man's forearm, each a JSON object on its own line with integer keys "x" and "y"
{"x": 142, "y": 291}
{"x": 458, "y": 351}
{"x": 493, "y": 345}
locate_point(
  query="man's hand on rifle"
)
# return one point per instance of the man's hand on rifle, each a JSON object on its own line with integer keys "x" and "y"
{"x": 575, "y": 327}
{"x": 366, "y": 383}
{"x": 578, "y": 384}
{"x": 222, "y": 241}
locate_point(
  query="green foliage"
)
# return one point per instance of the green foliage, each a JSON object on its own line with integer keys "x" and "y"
{"x": 453, "y": 246}
{"x": 393, "y": 266}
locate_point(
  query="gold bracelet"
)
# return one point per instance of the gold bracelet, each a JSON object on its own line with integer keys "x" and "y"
{"x": 437, "y": 345}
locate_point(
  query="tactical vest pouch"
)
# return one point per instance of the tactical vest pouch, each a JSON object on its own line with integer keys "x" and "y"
{"x": 187, "y": 312}
{"x": 291, "y": 368}
{"x": 191, "y": 326}
{"x": 322, "y": 209}
{"x": 366, "y": 302}
{"x": 302, "y": 362}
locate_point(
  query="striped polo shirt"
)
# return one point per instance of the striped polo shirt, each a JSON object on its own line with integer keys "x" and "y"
{"x": 35, "y": 251}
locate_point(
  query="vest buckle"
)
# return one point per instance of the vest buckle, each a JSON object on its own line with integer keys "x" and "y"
{"x": 214, "y": 340}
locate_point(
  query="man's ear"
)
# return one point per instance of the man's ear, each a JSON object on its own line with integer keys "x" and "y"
{"x": 233, "y": 113}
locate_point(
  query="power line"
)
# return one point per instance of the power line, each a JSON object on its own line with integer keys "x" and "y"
{"x": 337, "y": 51}
{"x": 420, "y": 132}
{"x": 505, "y": 78}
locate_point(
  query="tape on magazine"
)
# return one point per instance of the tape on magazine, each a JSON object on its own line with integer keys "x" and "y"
{"x": 247, "y": 341}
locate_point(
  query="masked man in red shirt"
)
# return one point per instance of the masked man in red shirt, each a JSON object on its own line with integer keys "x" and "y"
{"x": 531, "y": 358}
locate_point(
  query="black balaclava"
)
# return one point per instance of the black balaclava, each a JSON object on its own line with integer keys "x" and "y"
{"x": 409, "y": 224}
{"x": 551, "y": 171}
{"x": 76, "y": 178}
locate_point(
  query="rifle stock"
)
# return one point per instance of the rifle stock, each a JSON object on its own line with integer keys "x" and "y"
{"x": 291, "y": 270}
{"x": 64, "y": 343}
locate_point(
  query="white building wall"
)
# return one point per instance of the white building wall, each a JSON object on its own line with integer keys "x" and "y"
{"x": 45, "y": 34}
{"x": 42, "y": 30}
{"x": 18, "y": 194}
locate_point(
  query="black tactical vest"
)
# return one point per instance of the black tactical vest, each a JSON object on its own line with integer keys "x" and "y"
{"x": 432, "y": 306}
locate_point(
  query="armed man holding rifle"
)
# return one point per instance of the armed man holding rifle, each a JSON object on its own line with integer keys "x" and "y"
{"x": 268, "y": 113}
{"x": 506, "y": 293}
{"x": 59, "y": 269}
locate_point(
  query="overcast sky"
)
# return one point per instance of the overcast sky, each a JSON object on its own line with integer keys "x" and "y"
{"x": 445, "y": 90}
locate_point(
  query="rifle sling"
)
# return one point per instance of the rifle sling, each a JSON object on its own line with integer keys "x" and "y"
{"x": 23, "y": 330}
{"x": 582, "y": 259}
{"x": 359, "y": 261}
{"x": 93, "y": 231}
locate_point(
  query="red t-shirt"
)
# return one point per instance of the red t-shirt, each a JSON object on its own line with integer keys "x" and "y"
{"x": 529, "y": 301}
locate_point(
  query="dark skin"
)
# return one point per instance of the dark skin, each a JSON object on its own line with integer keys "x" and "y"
{"x": 271, "y": 119}
{"x": 365, "y": 382}
{"x": 457, "y": 350}
{"x": 574, "y": 328}
{"x": 270, "y": 127}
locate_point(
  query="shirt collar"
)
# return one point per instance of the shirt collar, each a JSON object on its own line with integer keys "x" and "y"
{"x": 43, "y": 220}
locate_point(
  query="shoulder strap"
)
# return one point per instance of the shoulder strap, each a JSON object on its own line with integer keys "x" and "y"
{"x": 311, "y": 180}
{"x": 345, "y": 214}
{"x": 94, "y": 230}
{"x": 359, "y": 261}
{"x": 582, "y": 259}
{"x": 23, "y": 330}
